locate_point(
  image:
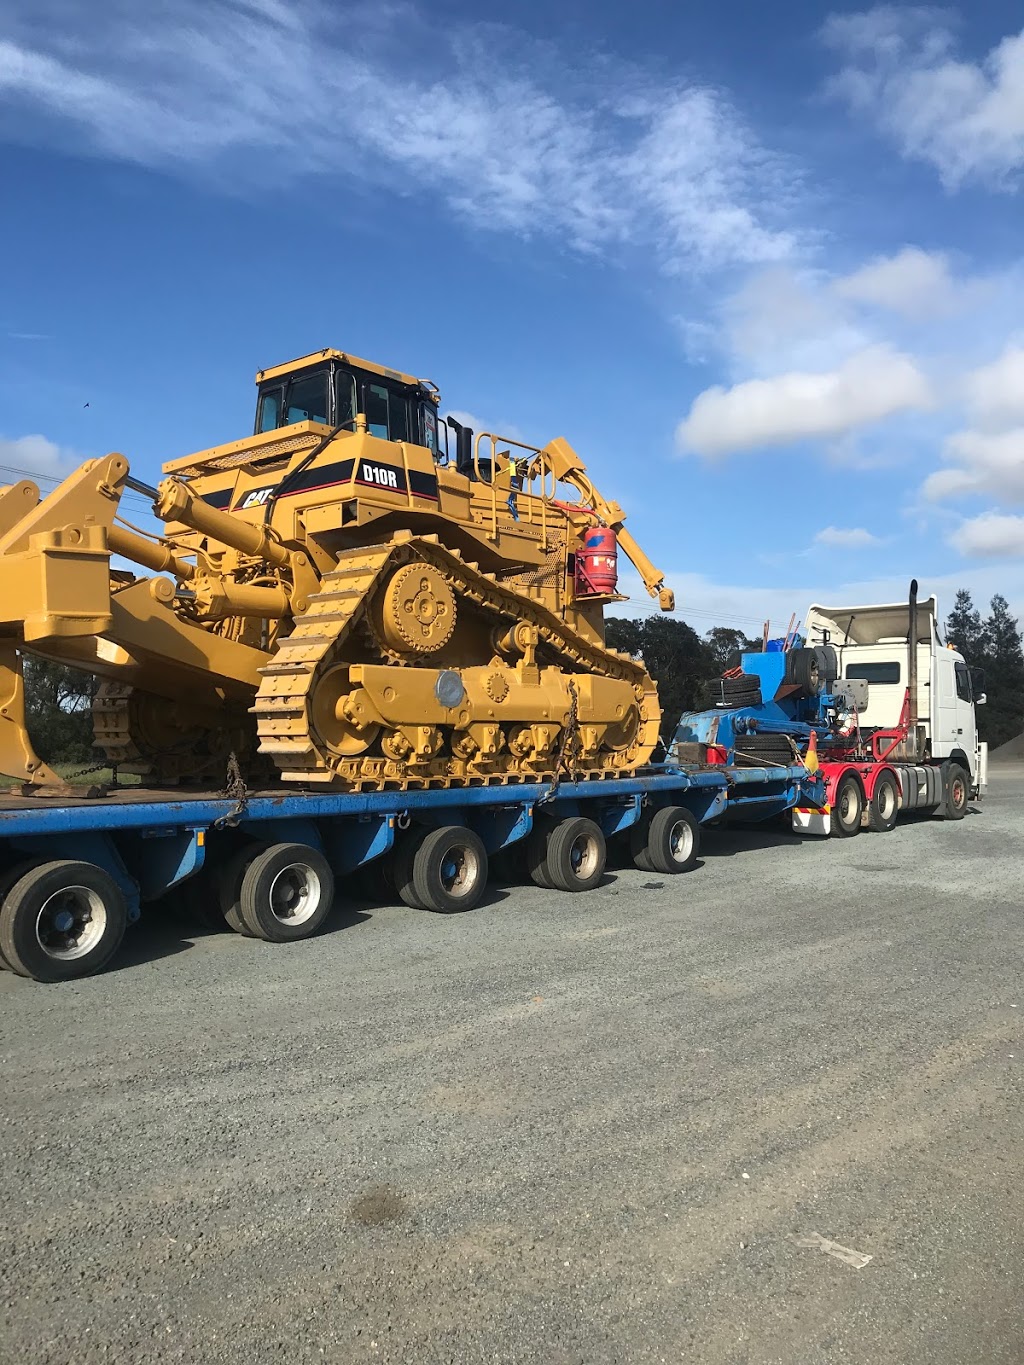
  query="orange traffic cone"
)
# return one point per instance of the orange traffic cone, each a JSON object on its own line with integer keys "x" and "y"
{"x": 811, "y": 756}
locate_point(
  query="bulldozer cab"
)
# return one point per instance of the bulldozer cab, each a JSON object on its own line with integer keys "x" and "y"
{"x": 331, "y": 388}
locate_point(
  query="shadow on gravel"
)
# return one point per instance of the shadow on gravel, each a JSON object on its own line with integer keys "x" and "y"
{"x": 733, "y": 840}
{"x": 153, "y": 938}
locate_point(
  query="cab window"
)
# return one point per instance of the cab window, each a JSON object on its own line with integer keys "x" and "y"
{"x": 875, "y": 672}
{"x": 344, "y": 400}
{"x": 963, "y": 683}
{"x": 387, "y": 413}
{"x": 307, "y": 399}
{"x": 269, "y": 416}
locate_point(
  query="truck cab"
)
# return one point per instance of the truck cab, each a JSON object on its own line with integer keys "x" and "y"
{"x": 872, "y": 647}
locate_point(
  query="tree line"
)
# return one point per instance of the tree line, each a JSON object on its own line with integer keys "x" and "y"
{"x": 993, "y": 644}
{"x": 58, "y": 698}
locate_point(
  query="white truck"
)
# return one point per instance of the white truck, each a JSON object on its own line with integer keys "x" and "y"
{"x": 932, "y": 690}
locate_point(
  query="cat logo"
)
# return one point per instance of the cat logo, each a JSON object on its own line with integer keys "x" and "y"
{"x": 378, "y": 474}
{"x": 259, "y": 497}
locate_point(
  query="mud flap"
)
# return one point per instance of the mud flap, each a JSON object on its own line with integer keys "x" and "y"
{"x": 811, "y": 820}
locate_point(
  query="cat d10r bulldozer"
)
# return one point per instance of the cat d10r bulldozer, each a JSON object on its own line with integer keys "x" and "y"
{"x": 358, "y": 594}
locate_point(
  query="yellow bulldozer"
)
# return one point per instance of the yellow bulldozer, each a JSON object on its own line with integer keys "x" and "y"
{"x": 359, "y": 594}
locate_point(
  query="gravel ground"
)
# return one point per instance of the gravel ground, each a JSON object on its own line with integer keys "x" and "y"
{"x": 559, "y": 1129}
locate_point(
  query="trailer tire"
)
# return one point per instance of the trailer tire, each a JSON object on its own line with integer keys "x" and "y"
{"x": 666, "y": 841}
{"x": 228, "y": 886}
{"x": 62, "y": 919}
{"x": 537, "y": 854}
{"x": 576, "y": 854}
{"x": 8, "y": 877}
{"x": 287, "y": 892}
{"x": 956, "y": 791}
{"x": 884, "y": 806}
{"x": 445, "y": 870}
{"x": 848, "y": 807}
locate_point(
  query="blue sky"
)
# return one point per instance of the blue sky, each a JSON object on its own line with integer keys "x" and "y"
{"x": 762, "y": 265}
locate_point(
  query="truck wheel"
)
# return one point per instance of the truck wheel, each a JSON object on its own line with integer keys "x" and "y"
{"x": 445, "y": 870}
{"x": 847, "y": 808}
{"x": 228, "y": 887}
{"x": 576, "y": 855}
{"x": 957, "y": 792}
{"x": 884, "y": 806}
{"x": 287, "y": 893}
{"x": 670, "y": 841}
{"x": 61, "y": 920}
{"x": 537, "y": 853}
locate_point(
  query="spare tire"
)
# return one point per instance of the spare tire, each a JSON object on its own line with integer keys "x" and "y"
{"x": 828, "y": 664}
{"x": 802, "y": 671}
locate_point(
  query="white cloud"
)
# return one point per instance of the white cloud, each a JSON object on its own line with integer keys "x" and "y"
{"x": 983, "y": 462}
{"x": 901, "y": 72}
{"x": 853, "y": 538}
{"x": 487, "y": 125}
{"x": 871, "y": 385}
{"x": 987, "y": 457}
{"x": 992, "y": 535}
{"x": 25, "y": 456}
{"x": 996, "y": 392}
{"x": 913, "y": 283}
{"x": 785, "y": 318}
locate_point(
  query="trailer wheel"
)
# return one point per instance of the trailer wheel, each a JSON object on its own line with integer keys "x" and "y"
{"x": 884, "y": 806}
{"x": 62, "y": 919}
{"x": 287, "y": 892}
{"x": 576, "y": 854}
{"x": 848, "y": 807}
{"x": 537, "y": 853}
{"x": 8, "y": 877}
{"x": 667, "y": 842}
{"x": 228, "y": 886}
{"x": 956, "y": 792}
{"x": 444, "y": 870}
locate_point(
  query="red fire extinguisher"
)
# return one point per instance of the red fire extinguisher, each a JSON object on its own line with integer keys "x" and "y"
{"x": 597, "y": 571}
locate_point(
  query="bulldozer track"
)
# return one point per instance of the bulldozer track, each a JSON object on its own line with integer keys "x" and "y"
{"x": 122, "y": 740}
{"x": 283, "y": 706}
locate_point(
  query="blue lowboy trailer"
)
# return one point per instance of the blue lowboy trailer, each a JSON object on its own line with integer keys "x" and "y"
{"x": 75, "y": 873}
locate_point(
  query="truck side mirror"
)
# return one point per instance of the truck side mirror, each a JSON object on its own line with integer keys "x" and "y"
{"x": 980, "y": 699}
{"x": 978, "y": 682}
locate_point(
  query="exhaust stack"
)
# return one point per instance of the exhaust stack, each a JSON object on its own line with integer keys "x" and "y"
{"x": 912, "y": 702}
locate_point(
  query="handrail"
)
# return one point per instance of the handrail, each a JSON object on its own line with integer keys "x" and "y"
{"x": 534, "y": 491}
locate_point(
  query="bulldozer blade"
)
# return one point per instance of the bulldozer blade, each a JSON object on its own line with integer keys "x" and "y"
{"x": 18, "y": 759}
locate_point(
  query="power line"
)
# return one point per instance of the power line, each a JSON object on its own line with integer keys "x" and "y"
{"x": 50, "y": 479}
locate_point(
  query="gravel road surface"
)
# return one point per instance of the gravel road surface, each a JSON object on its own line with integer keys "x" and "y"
{"x": 559, "y": 1129}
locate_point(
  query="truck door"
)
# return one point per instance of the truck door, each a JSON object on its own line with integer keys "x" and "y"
{"x": 966, "y": 718}
{"x": 954, "y": 725}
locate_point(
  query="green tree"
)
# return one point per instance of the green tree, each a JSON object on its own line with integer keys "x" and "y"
{"x": 57, "y": 710}
{"x": 1002, "y": 717}
{"x": 725, "y": 644}
{"x": 964, "y": 629}
{"x": 677, "y": 658}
